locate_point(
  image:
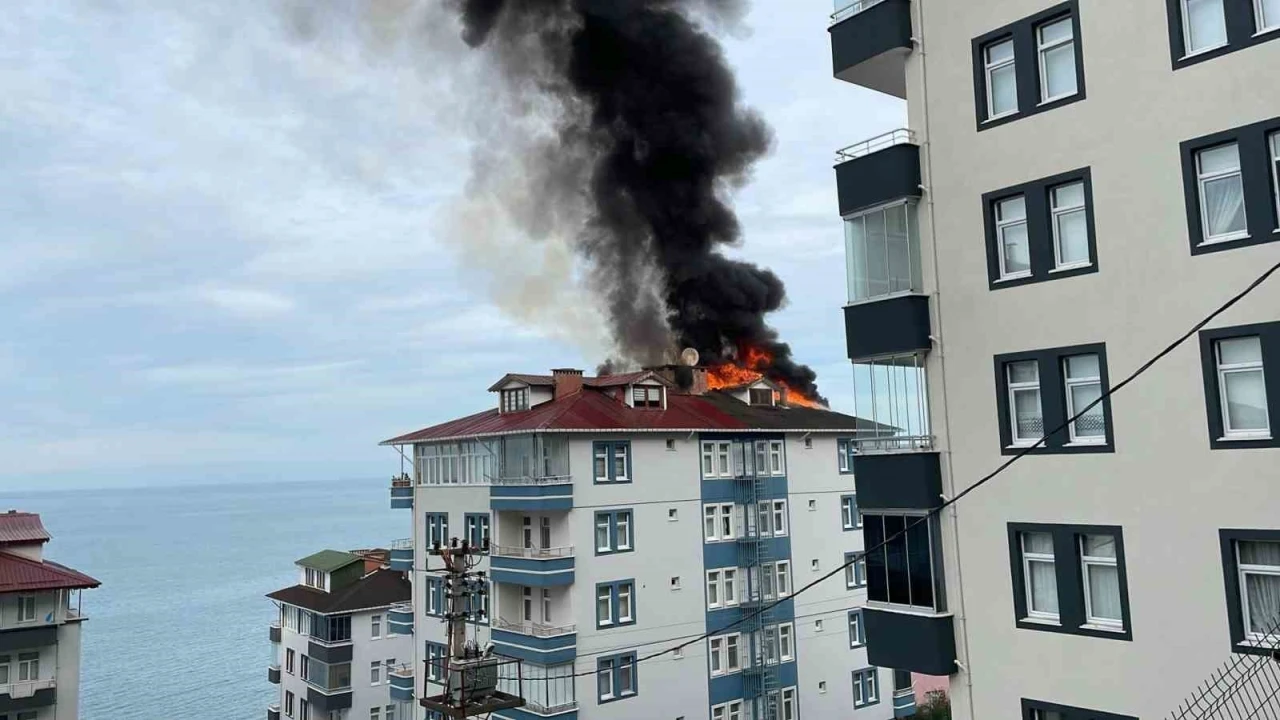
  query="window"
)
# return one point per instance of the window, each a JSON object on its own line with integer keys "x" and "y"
{"x": 855, "y": 570}
{"x": 375, "y": 670}
{"x": 1040, "y": 230}
{"x": 1035, "y": 710}
{"x": 1242, "y": 388}
{"x": 437, "y": 660}
{"x": 722, "y": 587}
{"x": 435, "y": 596}
{"x": 822, "y": 686}
{"x": 727, "y": 711}
{"x": 477, "y": 525}
{"x": 882, "y": 252}
{"x": 288, "y": 703}
{"x": 718, "y": 522}
{"x": 28, "y": 666}
{"x": 391, "y": 712}
{"x": 1251, "y": 569}
{"x": 1070, "y": 226}
{"x": 26, "y": 608}
{"x": 613, "y": 532}
{"x": 786, "y": 647}
{"x": 772, "y": 518}
{"x": 850, "y": 518}
{"x": 313, "y": 578}
{"x": 857, "y": 634}
{"x": 760, "y": 396}
{"x": 866, "y": 689}
{"x": 1002, "y": 81}
{"x": 902, "y": 571}
{"x": 1084, "y": 387}
{"x": 646, "y": 397}
{"x": 675, "y": 583}
{"x": 1266, "y": 15}
{"x": 782, "y": 573}
{"x": 1204, "y": 25}
{"x": 1057, "y": 60}
{"x": 546, "y": 606}
{"x": 817, "y": 625}
{"x": 515, "y": 400}
{"x": 375, "y": 713}
{"x": 1041, "y": 390}
{"x": 673, "y": 514}
{"x": 813, "y": 505}
{"x": 306, "y": 668}
{"x": 375, "y": 626}
{"x": 616, "y": 677}
{"x": 1239, "y": 398}
{"x": 1221, "y": 188}
{"x": 788, "y": 704}
{"x": 1070, "y": 579}
{"x": 437, "y": 525}
{"x": 775, "y": 458}
{"x": 814, "y": 565}
{"x": 725, "y": 654}
{"x": 615, "y": 604}
{"x": 612, "y": 461}
{"x": 288, "y": 660}
{"x": 1011, "y": 229}
{"x": 844, "y": 456}
{"x": 671, "y": 444}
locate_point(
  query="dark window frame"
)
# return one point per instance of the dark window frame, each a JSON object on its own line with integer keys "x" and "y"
{"x": 615, "y": 670}
{"x": 1070, "y": 579}
{"x": 615, "y": 621}
{"x": 1068, "y": 712}
{"x": 1269, "y": 338}
{"x": 874, "y": 559}
{"x": 612, "y": 517}
{"x": 1038, "y": 196}
{"x": 611, "y": 476}
{"x": 482, "y": 529}
{"x": 1242, "y": 32}
{"x": 1261, "y": 219}
{"x": 1053, "y": 401}
{"x": 1227, "y": 539}
{"x": 1027, "y": 64}
{"x": 846, "y": 448}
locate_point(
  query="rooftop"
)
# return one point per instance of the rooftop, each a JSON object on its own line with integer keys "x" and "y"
{"x": 21, "y": 527}
{"x": 20, "y": 574}
{"x": 328, "y": 560}
{"x": 377, "y": 589}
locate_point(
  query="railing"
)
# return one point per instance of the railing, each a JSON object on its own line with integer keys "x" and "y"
{"x": 401, "y": 481}
{"x": 401, "y": 607}
{"x": 532, "y": 552}
{"x": 901, "y": 136}
{"x": 326, "y": 689}
{"x": 26, "y": 688}
{"x": 328, "y": 643}
{"x": 404, "y": 670}
{"x": 539, "y": 708}
{"x": 845, "y": 9}
{"x": 895, "y": 443}
{"x": 402, "y": 544}
{"x": 532, "y": 480}
{"x": 534, "y": 629}
{"x": 274, "y": 707}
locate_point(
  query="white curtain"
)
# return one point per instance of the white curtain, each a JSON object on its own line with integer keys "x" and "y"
{"x": 1017, "y": 256}
{"x": 1060, "y": 69}
{"x": 1044, "y": 587}
{"x": 1073, "y": 238}
{"x": 1004, "y": 90}
{"x": 1246, "y": 400}
{"x": 1206, "y": 24}
{"x": 1262, "y": 590}
{"x": 1104, "y": 592}
{"x": 1224, "y": 205}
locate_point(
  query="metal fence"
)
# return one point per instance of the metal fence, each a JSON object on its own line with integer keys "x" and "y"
{"x": 1245, "y": 687}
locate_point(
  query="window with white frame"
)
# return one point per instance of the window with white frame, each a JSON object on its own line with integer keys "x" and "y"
{"x": 1204, "y": 25}
{"x": 1011, "y": 238}
{"x": 375, "y": 626}
{"x": 788, "y": 704}
{"x": 546, "y": 605}
{"x": 1056, "y": 41}
{"x": 857, "y": 634}
{"x": 855, "y": 570}
{"x": 719, "y": 522}
{"x": 775, "y": 458}
{"x": 624, "y": 591}
{"x": 604, "y": 605}
{"x": 1274, "y": 142}
{"x": 1070, "y": 226}
{"x": 882, "y": 252}
{"x": 1267, "y": 15}
{"x": 603, "y": 541}
{"x": 26, "y": 608}
{"x": 1221, "y": 189}
{"x": 722, "y": 587}
{"x": 1002, "y": 81}
{"x": 866, "y": 688}
{"x": 726, "y": 654}
{"x": 1101, "y": 580}
{"x": 723, "y": 466}
{"x": 646, "y": 397}
{"x": 28, "y": 666}
{"x": 1242, "y": 388}
{"x": 515, "y": 400}
{"x": 1083, "y": 379}
{"x": 786, "y": 644}
{"x": 772, "y": 518}
{"x": 850, "y": 518}
{"x": 1027, "y": 421}
{"x": 1040, "y": 573}
{"x": 727, "y": 711}
{"x": 375, "y": 673}
{"x": 844, "y": 455}
{"x": 1258, "y": 575}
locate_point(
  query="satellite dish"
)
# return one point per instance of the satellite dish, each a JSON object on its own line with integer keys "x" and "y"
{"x": 689, "y": 357}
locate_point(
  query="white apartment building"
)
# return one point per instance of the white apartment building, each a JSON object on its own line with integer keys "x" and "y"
{"x": 40, "y": 620}
{"x": 1078, "y": 185}
{"x": 628, "y": 513}
{"x": 342, "y": 647}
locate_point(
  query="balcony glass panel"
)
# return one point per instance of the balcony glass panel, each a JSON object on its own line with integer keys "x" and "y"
{"x": 547, "y": 689}
{"x": 893, "y": 393}
{"x": 882, "y": 252}
{"x": 513, "y": 460}
{"x": 849, "y": 8}
{"x": 328, "y": 677}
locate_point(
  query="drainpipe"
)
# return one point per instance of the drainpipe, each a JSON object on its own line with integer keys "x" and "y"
{"x": 962, "y": 616}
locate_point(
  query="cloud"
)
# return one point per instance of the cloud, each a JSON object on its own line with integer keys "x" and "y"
{"x": 231, "y": 378}
{"x": 246, "y": 302}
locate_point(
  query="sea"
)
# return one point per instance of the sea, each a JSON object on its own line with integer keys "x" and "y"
{"x": 178, "y": 630}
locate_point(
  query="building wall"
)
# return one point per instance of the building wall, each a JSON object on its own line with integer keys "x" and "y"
{"x": 366, "y": 650}
{"x": 1163, "y": 484}
{"x": 66, "y": 671}
{"x": 59, "y": 661}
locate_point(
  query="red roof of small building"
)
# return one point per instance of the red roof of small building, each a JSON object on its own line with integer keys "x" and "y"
{"x": 19, "y": 574}
{"x": 21, "y": 527}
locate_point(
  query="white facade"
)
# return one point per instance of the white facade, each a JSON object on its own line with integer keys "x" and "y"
{"x": 40, "y": 655}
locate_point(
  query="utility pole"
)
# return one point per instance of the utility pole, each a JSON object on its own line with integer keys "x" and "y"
{"x": 470, "y": 672}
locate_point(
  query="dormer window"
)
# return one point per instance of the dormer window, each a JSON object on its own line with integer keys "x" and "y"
{"x": 314, "y": 578}
{"x": 515, "y": 400}
{"x": 761, "y": 396}
{"x": 646, "y": 397}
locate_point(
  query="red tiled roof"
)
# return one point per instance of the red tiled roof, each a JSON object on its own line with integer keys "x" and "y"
{"x": 18, "y": 574}
{"x": 521, "y": 377}
{"x": 593, "y": 410}
{"x": 21, "y": 527}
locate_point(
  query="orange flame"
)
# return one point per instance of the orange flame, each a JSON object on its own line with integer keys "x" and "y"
{"x": 750, "y": 367}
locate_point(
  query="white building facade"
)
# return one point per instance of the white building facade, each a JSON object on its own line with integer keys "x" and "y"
{"x": 1078, "y": 185}
{"x": 626, "y": 516}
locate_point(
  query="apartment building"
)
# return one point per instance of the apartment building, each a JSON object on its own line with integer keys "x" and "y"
{"x": 343, "y": 643}
{"x": 1078, "y": 184}
{"x": 626, "y": 513}
{"x": 40, "y": 618}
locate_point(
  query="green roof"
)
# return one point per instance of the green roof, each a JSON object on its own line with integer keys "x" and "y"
{"x": 328, "y": 560}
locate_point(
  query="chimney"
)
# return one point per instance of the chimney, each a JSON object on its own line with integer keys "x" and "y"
{"x": 568, "y": 381}
{"x": 699, "y": 385}
{"x": 691, "y": 380}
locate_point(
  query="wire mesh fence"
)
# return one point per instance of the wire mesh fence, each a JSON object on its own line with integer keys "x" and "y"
{"x": 1245, "y": 687}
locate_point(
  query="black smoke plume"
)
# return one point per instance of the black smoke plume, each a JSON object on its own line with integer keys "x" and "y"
{"x": 653, "y": 112}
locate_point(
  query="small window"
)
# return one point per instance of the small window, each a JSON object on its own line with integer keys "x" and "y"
{"x": 1242, "y": 388}
{"x": 1084, "y": 387}
{"x": 822, "y": 684}
{"x": 866, "y": 689}
{"x": 855, "y": 570}
{"x": 1221, "y": 188}
{"x": 1011, "y": 236}
{"x": 1258, "y": 576}
{"x": 1040, "y": 575}
{"x": 844, "y": 456}
{"x": 375, "y": 675}
{"x": 1204, "y": 25}
{"x": 1057, "y": 59}
{"x": 671, "y": 444}
{"x": 1027, "y": 418}
{"x": 857, "y": 633}
{"x": 1070, "y": 226}
{"x": 375, "y": 626}
{"x": 673, "y": 514}
{"x": 808, "y": 442}
{"x": 850, "y": 518}
{"x": 813, "y": 505}
{"x": 1101, "y": 580}
{"x": 675, "y": 583}
{"x": 26, "y": 608}
{"x": 817, "y": 627}
{"x": 647, "y": 397}
{"x": 515, "y": 400}
{"x": 1002, "y": 82}
{"x": 719, "y": 522}
{"x": 761, "y": 396}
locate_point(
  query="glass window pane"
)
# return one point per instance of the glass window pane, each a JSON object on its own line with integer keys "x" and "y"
{"x": 1026, "y": 408}
{"x": 1246, "y": 400}
{"x": 1260, "y": 553}
{"x": 1067, "y": 196}
{"x": 1039, "y": 543}
{"x": 1082, "y": 366}
{"x": 1100, "y": 546}
{"x": 1004, "y": 90}
{"x": 1104, "y": 592}
{"x": 899, "y": 254}
{"x": 1073, "y": 238}
{"x": 1043, "y": 581}
{"x": 1000, "y": 51}
{"x": 877, "y": 255}
{"x": 855, "y": 246}
{"x": 1237, "y": 351}
{"x": 1269, "y": 14}
{"x": 1015, "y": 249}
{"x": 1206, "y": 24}
{"x": 1224, "y": 206}
{"x": 1262, "y": 593}
{"x": 896, "y": 559}
{"x": 1012, "y": 209}
{"x": 1092, "y": 423}
{"x": 1054, "y": 31}
{"x": 1223, "y": 158}
{"x": 1059, "y": 71}
{"x": 1024, "y": 371}
{"x": 920, "y": 563}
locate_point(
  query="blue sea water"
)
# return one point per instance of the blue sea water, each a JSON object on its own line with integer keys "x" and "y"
{"x": 178, "y": 630}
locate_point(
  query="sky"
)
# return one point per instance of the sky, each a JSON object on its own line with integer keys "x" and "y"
{"x": 221, "y": 249}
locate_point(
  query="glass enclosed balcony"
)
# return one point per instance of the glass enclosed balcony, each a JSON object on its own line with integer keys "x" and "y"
{"x": 882, "y": 252}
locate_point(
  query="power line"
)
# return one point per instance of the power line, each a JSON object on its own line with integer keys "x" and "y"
{"x": 964, "y": 493}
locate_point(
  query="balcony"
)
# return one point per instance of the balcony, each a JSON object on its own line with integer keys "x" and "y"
{"x": 534, "y": 567}
{"x": 898, "y": 480}
{"x": 400, "y": 619}
{"x": 401, "y": 555}
{"x": 402, "y": 493}
{"x": 273, "y": 711}
{"x": 878, "y": 171}
{"x": 531, "y": 493}
{"x": 274, "y": 632}
{"x": 535, "y": 642}
{"x": 916, "y": 642}
{"x": 329, "y": 651}
{"x": 273, "y": 674}
{"x": 27, "y": 695}
{"x": 28, "y": 638}
{"x": 401, "y": 682}
{"x": 870, "y": 41}
{"x": 904, "y": 703}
